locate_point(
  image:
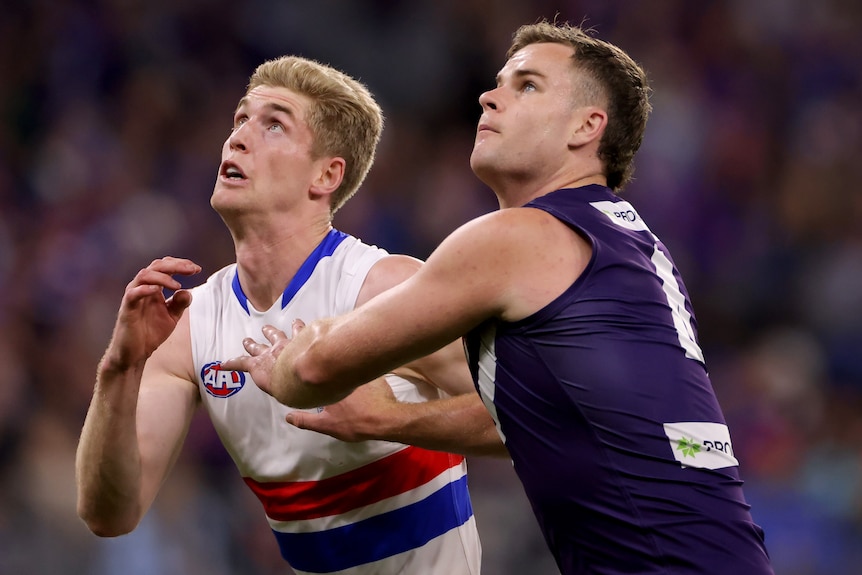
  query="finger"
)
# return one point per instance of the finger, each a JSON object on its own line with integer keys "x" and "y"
{"x": 160, "y": 273}
{"x": 178, "y": 302}
{"x": 137, "y": 296}
{"x": 149, "y": 276}
{"x": 253, "y": 348}
{"x": 309, "y": 421}
{"x": 298, "y": 326}
{"x": 296, "y": 419}
{"x": 273, "y": 334}
{"x": 242, "y": 363}
{"x": 141, "y": 291}
{"x": 172, "y": 265}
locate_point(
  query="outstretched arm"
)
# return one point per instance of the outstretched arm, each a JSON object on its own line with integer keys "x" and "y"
{"x": 142, "y": 402}
{"x": 454, "y": 291}
{"x": 455, "y": 420}
{"x": 455, "y": 424}
{"x": 503, "y": 266}
{"x": 459, "y": 424}
{"x": 326, "y": 360}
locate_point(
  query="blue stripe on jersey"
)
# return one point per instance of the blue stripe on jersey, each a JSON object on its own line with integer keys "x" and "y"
{"x": 323, "y": 249}
{"x": 380, "y": 536}
{"x": 240, "y": 295}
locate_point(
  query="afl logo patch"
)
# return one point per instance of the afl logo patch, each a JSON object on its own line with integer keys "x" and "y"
{"x": 220, "y": 383}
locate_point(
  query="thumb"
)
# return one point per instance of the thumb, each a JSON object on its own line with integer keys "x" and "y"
{"x": 179, "y": 302}
{"x": 296, "y": 419}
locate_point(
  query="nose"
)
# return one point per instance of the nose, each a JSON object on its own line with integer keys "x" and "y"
{"x": 237, "y": 138}
{"x": 488, "y": 100}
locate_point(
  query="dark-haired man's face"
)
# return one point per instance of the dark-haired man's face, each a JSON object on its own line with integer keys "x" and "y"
{"x": 527, "y": 119}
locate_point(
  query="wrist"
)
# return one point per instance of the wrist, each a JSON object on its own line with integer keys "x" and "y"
{"x": 114, "y": 364}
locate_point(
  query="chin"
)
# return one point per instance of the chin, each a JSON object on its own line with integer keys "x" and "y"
{"x": 216, "y": 200}
{"x": 221, "y": 203}
{"x": 482, "y": 167}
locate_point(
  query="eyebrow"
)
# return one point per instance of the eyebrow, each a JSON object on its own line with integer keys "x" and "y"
{"x": 518, "y": 74}
{"x": 273, "y": 106}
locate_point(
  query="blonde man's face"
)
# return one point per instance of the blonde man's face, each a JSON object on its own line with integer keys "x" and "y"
{"x": 266, "y": 160}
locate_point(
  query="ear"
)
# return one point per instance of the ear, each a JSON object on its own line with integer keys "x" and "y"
{"x": 330, "y": 176}
{"x": 588, "y": 126}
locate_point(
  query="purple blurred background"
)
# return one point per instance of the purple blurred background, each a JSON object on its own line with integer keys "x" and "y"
{"x": 112, "y": 115}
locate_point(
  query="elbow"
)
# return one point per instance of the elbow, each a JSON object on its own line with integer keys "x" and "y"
{"x": 107, "y": 531}
{"x": 106, "y": 525}
{"x": 498, "y": 449}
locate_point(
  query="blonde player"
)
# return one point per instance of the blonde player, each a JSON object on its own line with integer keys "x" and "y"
{"x": 303, "y": 138}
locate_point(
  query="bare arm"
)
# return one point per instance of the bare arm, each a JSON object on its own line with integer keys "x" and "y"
{"x": 506, "y": 265}
{"x": 142, "y": 403}
{"x": 393, "y": 329}
{"x": 459, "y": 424}
{"x": 456, "y": 422}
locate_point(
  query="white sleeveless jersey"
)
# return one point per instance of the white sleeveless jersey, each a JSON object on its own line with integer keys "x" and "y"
{"x": 372, "y": 507}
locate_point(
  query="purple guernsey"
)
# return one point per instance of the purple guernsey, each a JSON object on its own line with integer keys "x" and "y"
{"x": 604, "y": 402}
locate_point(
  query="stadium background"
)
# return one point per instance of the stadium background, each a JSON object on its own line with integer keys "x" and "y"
{"x": 112, "y": 114}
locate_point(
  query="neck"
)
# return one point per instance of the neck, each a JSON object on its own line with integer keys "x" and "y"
{"x": 517, "y": 194}
{"x": 268, "y": 257}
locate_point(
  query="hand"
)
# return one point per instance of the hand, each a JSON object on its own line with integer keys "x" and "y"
{"x": 261, "y": 359}
{"x": 357, "y": 417}
{"x": 146, "y": 318}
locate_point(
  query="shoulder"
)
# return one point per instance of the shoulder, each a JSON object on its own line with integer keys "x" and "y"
{"x": 387, "y": 272}
{"x": 499, "y": 236}
{"x": 515, "y": 260}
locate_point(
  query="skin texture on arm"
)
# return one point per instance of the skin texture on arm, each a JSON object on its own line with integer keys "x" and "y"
{"x": 504, "y": 265}
{"x": 455, "y": 423}
{"x": 459, "y": 424}
{"x": 142, "y": 403}
{"x": 393, "y": 329}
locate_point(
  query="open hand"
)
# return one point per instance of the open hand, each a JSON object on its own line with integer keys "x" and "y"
{"x": 261, "y": 357}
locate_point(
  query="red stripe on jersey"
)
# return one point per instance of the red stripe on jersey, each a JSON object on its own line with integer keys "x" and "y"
{"x": 394, "y": 474}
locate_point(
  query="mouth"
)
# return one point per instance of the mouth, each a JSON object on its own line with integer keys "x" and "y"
{"x": 485, "y": 128}
{"x": 232, "y": 172}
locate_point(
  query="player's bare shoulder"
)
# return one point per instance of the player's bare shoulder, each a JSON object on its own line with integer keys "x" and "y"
{"x": 539, "y": 255}
{"x": 386, "y": 273}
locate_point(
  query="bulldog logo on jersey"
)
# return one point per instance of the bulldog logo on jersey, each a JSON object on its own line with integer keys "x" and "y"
{"x": 219, "y": 383}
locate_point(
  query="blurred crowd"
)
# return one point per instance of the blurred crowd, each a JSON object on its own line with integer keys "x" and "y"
{"x": 112, "y": 116}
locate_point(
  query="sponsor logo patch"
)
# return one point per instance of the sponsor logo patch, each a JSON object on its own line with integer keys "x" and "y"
{"x": 701, "y": 444}
{"x": 220, "y": 383}
{"x": 622, "y": 214}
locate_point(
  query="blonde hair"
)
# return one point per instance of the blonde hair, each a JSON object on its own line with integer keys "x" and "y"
{"x": 344, "y": 118}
